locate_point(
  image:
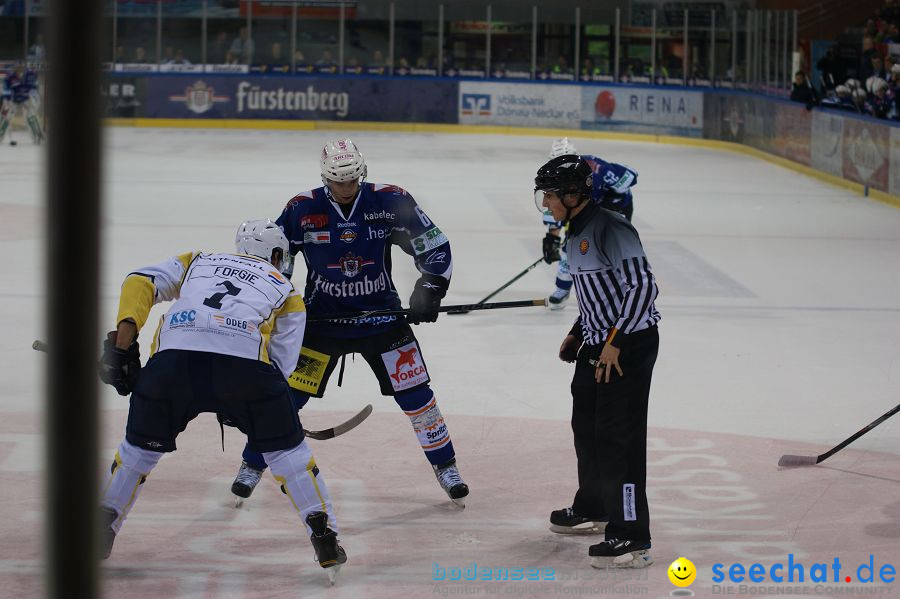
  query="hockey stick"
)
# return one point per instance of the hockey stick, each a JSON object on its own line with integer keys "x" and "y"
{"x": 328, "y": 433}
{"x": 794, "y": 461}
{"x": 340, "y": 429}
{"x": 507, "y": 284}
{"x": 449, "y": 309}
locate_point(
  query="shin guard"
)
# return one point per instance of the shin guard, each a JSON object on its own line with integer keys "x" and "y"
{"x": 129, "y": 470}
{"x": 295, "y": 469}
{"x": 421, "y": 408}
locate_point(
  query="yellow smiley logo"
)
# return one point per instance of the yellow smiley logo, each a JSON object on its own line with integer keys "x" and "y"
{"x": 682, "y": 572}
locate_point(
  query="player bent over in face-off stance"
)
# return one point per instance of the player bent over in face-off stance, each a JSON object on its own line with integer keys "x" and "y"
{"x": 227, "y": 346}
{"x": 344, "y": 231}
{"x": 611, "y": 188}
{"x": 614, "y": 344}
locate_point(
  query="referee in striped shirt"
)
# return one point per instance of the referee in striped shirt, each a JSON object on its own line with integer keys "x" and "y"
{"x": 614, "y": 345}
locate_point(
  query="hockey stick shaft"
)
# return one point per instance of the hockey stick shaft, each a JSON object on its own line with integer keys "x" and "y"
{"x": 512, "y": 280}
{"x": 451, "y": 308}
{"x": 328, "y": 433}
{"x": 792, "y": 460}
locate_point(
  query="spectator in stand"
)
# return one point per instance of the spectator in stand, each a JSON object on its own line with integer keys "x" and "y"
{"x": 859, "y": 100}
{"x": 168, "y": 55}
{"x": 230, "y": 58}
{"x": 831, "y": 70}
{"x": 802, "y": 91}
{"x": 877, "y": 63}
{"x": 841, "y": 100}
{"x": 242, "y": 46}
{"x": 120, "y": 55}
{"x": 561, "y": 66}
{"x": 865, "y": 63}
{"x": 377, "y": 59}
{"x": 140, "y": 56}
{"x": 179, "y": 58}
{"x": 325, "y": 59}
{"x": 217, "y": 50}
{"x": 881, "y": 102}
{"x": 588, "y": 69}
{"x": 37, "y": 52}
{"x": 276, "y": 54}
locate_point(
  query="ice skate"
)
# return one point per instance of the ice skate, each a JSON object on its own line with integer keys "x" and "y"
{"x": 620, "y": 553}
{"x": 557, "y": 299}
{"x": 329, "y": 553}
{"x": 107, "y": 534}
{"x": 567, "y": 522}
{"x": 246, "y": 480}
{"x": 448, "y": 475}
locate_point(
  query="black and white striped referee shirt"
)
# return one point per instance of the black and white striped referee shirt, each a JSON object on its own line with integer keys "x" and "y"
{"x": 615, "y": 287}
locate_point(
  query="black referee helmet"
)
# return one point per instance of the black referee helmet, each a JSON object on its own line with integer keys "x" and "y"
{"x": 566, "y": 174}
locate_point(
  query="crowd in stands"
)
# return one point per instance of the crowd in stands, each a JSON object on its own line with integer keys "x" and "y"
{"x": 871, "y": 87}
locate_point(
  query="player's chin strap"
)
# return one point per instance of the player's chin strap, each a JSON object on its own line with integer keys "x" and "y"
{"x": 570, "y": 209}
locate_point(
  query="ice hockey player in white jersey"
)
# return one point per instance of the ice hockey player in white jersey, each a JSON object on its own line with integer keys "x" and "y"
{"x": 237, "y": 325}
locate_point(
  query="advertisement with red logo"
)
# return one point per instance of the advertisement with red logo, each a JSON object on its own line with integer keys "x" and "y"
{"x": 405, "y": 367}
{"x": 642, "y": 110}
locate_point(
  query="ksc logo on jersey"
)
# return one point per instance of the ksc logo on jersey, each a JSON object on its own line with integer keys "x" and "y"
{"x": 185, "y": 318}
{"x": 472, "y": 104}
{"x": 351, "y": 265}
{"x": 199, "y": 97}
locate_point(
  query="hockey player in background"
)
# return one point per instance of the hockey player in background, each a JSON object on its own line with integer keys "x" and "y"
{"x": 614, "y": 345}
{"x": 20, "y": 91}
{"x": 344, "y": 231}
{"x": 227, "y": 345}
{"x": 612, "y": 190}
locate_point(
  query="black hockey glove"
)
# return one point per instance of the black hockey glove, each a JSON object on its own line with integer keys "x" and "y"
{"x": 551, "y": 248}
{"x": 119, "y": 367}
{"x": 426, "y": 299}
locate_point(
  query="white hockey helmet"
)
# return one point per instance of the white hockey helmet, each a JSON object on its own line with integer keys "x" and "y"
{"x": 842, "y": 90}
{"x": 852, "y": 84}
{"x": 342, "y": 161}
{"x": 561, "y": 147}
{"x": 260, "y": 238}
{"x": 879, "y": 85}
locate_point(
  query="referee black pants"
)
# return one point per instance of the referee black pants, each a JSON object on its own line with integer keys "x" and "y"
{"x": 609, "y": 421}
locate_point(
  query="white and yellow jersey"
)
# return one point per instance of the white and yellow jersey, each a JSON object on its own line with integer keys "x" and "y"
{"x": 224, "y": 303}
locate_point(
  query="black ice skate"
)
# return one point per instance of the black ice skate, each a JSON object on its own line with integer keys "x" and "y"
{"x": 620, "y": 553}
{"x": 448, "y": 475}
{"x": 107, "y": 534}
{"x": 329, "y": 553}
{"x": 567, "y": 522}
{"x": 246, "y": 480}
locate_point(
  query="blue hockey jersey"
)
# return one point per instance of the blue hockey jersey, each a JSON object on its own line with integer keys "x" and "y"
{"x": 20, "y": 88}
{"x": 348, "y": 258}
{"x": 612, "y": 185}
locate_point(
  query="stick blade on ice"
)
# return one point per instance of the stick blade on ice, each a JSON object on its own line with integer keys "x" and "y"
{"x": 794, "y": 461}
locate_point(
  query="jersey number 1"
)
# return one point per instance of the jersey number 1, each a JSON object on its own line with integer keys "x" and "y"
{"x": 215, "y": 300}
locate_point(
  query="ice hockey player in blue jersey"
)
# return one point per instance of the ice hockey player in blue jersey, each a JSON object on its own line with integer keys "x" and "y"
{"x": 344, "y": 231}
{"x": 20, "y": 90}
{"x": 612, "y": 185}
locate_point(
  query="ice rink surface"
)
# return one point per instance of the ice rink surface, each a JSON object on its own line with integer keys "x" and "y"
{"x": 780, "y": 298}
